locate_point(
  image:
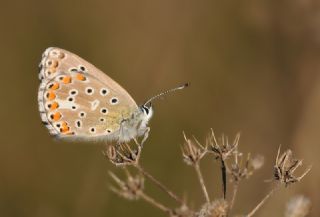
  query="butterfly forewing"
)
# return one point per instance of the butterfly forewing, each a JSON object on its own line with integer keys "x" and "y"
{"x": 78, "y": 100}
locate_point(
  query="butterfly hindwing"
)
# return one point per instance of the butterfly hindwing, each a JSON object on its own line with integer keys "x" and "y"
{"x": 77, "y": 100}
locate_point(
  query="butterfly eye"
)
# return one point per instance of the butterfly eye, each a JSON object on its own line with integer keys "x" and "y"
{"x": 146, "y": 110}
{"x": 89, "y": 90}
{"x": 108, "y": 131}
{"x": 114, "y": 100}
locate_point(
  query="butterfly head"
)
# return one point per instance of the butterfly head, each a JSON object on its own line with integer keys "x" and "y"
{"x": 147, "y": 110}
{"x": 137, "y": 125}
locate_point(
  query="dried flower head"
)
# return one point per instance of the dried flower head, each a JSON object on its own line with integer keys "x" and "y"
{"x": 298, "y": 206}
{"x": 242, "y": 167}
{"x": 123, "y": 154}
{"x": 182, "y": 211}
{"x": 131, "y": 188}
{"x": 285, "y": 167}
{"x": 239, "y": 171}
{"x": 217, "y": 208}
{"x": 257, "y": 162}
{"x": 192, "y": 151}
{"x": 221, "y": 148}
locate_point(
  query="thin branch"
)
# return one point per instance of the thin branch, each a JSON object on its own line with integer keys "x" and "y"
{"x": 159, "y": 184}
{"x": 154, "y": 202}
{"x": 263, "y": 201}
{"x": 305, "y": 173}
{"x": 234, "y": 195}
{"x": 203, "y": 186}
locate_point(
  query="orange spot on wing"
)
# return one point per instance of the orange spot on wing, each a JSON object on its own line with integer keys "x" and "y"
{"x": 55, "y": 64}
{"x": 64, "y": 127}
{"x": 70, "y": 133}
{"x": 66, "y": 80}
{"x": 81, "y": 77}
{"x": 51, "y": 95}
{"x": 52, "y": 70}
{"x": 61, "y": 55}
{"x": 54, "y": 106}
{"x": 55, "y": 86}
{"x": 56, "y": 116}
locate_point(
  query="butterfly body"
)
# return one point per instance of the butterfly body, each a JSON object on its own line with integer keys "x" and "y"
{"x": 78, "y": 101}
{"x": 135, "y": 126}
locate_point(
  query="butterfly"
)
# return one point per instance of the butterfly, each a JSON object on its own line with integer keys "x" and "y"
{"x": 78, "y": 101}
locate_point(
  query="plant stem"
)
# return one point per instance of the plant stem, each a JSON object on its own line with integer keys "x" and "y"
{"x": 234, "y": 194}
{"x": 204, "y": 189}
{"x": 154, "y": 202}
{"x": 262, "y": 201}
{"x": 224, "y": 178}
{"x": 159, "y": 184}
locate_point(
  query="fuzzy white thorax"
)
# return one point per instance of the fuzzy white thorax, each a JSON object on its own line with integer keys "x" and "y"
{"x": 136, "y": 125}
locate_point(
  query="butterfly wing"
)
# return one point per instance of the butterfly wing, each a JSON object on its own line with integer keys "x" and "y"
{"x": 77, "y": 100}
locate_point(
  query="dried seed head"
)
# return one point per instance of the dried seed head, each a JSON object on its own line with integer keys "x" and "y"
{"x": 285, "y": 166}
{"x": 298, "y": 206}
{"x": 182, "y": 211}
{"x": 257, "y": 162}
{"x": 192, "y": 151}
{"x": 221, "y": 148}
{"x": 239, "y": 171}
{"x": 129, "y": 189}
{"x": 111, "y": 153}
{"x": 217, "y": 208}
{"x": 123, "y": 154}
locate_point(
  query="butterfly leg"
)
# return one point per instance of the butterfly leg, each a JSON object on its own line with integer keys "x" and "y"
{"x": 145, "y": 136}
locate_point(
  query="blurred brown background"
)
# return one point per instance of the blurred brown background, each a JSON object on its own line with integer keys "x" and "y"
{"x": 253, "y": 67}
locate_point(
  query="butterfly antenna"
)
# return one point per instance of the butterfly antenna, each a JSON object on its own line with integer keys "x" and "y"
{"x": 166, "y": 92}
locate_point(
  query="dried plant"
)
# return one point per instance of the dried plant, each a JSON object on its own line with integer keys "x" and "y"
{"x": 131, "y": 189}
{"x": 285, "y": 167}
{"x": 222, "y": 151}
{"x": 235, "y": 167}
{"x": 298, "y": 206}
{"x": 217, "y": 208}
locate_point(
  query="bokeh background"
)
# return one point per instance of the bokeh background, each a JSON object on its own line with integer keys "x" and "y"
{"x": 253, "y": 67}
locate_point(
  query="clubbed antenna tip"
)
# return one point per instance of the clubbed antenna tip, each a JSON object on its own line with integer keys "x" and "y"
{"x": 186, "y": 84}
{"x": 166, "y": 92}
